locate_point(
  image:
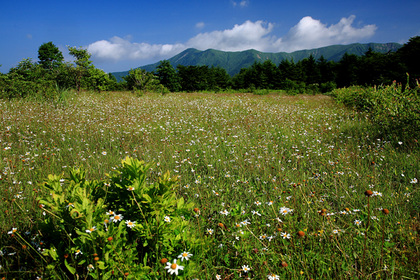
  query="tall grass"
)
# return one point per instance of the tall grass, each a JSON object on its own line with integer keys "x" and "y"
{"x": 278, "y": 181}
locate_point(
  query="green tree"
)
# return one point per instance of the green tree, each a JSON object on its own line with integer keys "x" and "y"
{"x": 140, "y": 80}
{"x": 347, "y": 70}
{"x": 50, "y": 57}
{"x": 219, "y": 78}
{"x": 97, "y": 79}
{"x": 311, "y": 70}
{"x": 83, "y": 63}
{"x": 193, "y": 78}
{"x": 168, "y": 76}
{"x": 410, "y": 56}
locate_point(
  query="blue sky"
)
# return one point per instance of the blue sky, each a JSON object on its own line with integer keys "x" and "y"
{"x": 126, "y": 34}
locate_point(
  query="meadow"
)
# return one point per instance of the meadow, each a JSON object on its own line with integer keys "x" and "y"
{"x": 259, "y": 187}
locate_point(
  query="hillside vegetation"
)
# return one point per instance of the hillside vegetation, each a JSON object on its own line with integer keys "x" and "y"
{"x": 233, "y": 62}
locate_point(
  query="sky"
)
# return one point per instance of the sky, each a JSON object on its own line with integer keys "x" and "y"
{"x": 123, "y": 34}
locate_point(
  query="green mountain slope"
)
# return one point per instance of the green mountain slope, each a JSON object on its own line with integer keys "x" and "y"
{"x": 234, "y": 61}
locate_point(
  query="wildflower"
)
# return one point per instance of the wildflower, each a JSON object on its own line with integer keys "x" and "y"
{"x": 185, "y": 255}
{"x": 414, "y": 181}
{"x": 245, "y": 222}
{"x": 285, "y": 235}
{"x": 117, "y": 218}
{"x": 375, "y": 193}
{"x": 224, "y": 212}
{"x": 69, "y": 205}
{"x": 104, "y": 153}
{"x": 255, "y": 213}
{"x": 131, "y": 188}
{"x": 12, "y": 231}
{"x": 130, "y": 224}
{"x": 245, "y": 268}
{"x": 209, "y": 231}
{"x": 272, "y": 276}
{"x": 284, "y": 210}
{"x": 90, "y": 267}
{"x": 92, "y": 229}
{"x": 78, "y": 252}
{"x": 218, "y": 277}
{"x": 357, "y": 222}
{"x": 335, "y": 231}
{"x": 257, "y": 203}
{"x": 270, "y": 203}
{"x": 110, "y": 213}
{"x": 167, "y": 219}
{"x": 173, "y": 267}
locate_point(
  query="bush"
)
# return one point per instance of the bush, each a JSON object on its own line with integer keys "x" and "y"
{"x": 13, "y": 88}
{"x": 393, "y": 109}
{"x": 118, "y": 227}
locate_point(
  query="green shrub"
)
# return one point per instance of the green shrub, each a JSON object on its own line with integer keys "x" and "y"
{"x": 393, "y": 109}
{"x": 117, "y": 227}
{"x": 14, "y": 88}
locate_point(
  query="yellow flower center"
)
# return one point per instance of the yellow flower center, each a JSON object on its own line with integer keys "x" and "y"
{"x": 173, "y": 266}
{"x": 117, "y": 217}
{"x": 184, "y": 254}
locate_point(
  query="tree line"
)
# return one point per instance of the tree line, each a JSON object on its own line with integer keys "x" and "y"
{"x": 307, "y": 75}
{"x": 51, "y": 74}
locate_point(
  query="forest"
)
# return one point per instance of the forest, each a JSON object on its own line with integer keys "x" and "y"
{"x": 50, "y": 75}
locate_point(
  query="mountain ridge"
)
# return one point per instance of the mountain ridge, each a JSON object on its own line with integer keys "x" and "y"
{"x": 234, "y": 61}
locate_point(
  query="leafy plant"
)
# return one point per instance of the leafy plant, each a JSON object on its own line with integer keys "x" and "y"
{"x": 120, "y": 227}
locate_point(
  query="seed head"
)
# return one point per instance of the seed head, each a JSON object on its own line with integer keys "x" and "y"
{"x": 284, "y": 264}
{"x": 368, "y": 193}
{"x": 385, "y": 211}
{"x": 301, "y": 233}
{"x": 164, "y": 260}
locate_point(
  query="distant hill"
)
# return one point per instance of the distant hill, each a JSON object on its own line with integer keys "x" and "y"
{"x": 234, "y": 61}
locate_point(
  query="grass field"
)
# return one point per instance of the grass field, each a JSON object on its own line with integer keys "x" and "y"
{"x": 278, "y": 182}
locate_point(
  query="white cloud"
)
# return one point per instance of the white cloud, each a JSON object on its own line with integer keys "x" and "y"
{"x": 308, "y": 33}
{"x": 122, "y": 49}
{"x": 311, "y": 33}
{"x": 249, "y": 35}
{"x": 200, "y": 25}
{"x": 243, "y": 3}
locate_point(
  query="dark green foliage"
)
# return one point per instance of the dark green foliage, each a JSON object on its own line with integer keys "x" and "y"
{"x": 167, "y": 76}
{"x": 200, "y": 78}
{"x": 50, "y": 57}
{"x": 409, "y": 55}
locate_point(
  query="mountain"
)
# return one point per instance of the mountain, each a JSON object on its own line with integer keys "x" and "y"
{"x": 234, "y": 61}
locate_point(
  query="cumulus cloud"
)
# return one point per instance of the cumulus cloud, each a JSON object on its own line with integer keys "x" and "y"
{"x": 249, "y": 35}
{"x": 307, "y": 33}
{"x": 118, "y": 48}
{"x": 312, "y": 33}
